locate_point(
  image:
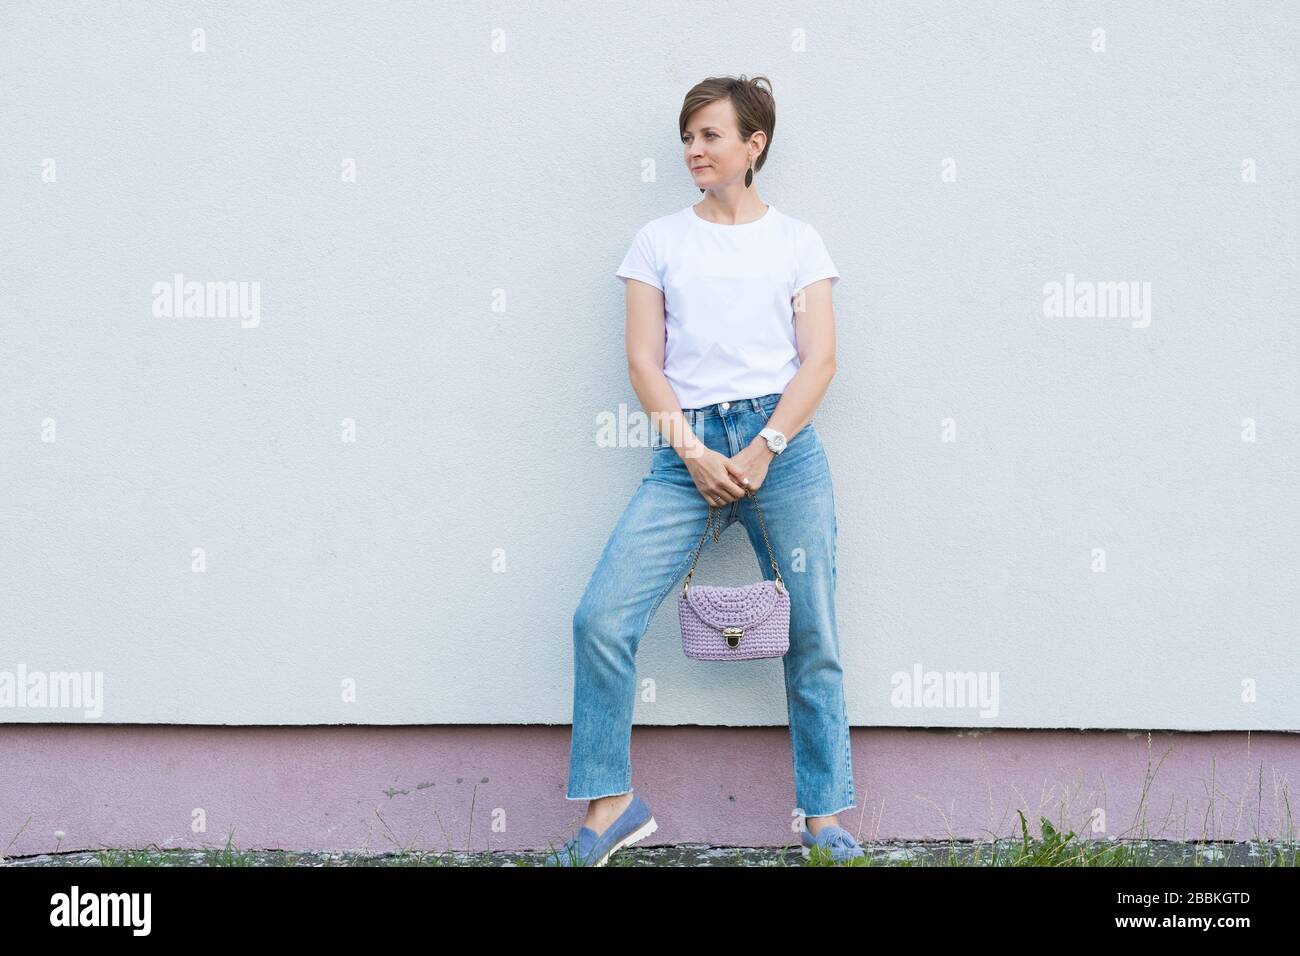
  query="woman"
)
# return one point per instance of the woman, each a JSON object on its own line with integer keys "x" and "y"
{"x": 731, "y": 347}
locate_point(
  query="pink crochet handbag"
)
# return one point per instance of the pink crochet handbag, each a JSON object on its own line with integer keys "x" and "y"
{"x": 734, "y": 624}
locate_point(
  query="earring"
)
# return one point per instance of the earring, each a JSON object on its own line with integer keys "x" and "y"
{"x": 749, "y": 177}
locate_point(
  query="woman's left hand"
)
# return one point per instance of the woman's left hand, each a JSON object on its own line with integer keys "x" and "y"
{"x": 749, "y": 467}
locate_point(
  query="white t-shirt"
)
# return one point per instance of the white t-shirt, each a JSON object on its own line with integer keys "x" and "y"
{"x": 728, "y": 314}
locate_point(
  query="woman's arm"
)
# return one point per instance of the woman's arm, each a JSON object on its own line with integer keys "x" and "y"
{"x": 645, "y": 366}
{"x": 814, "y": 331}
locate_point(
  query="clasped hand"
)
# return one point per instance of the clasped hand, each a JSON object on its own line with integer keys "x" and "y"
{"x": 722, "y": 480}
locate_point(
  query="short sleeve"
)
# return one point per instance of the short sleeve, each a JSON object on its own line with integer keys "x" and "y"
{"x": 814, "y": 262}
{"x": 640, "y": 262}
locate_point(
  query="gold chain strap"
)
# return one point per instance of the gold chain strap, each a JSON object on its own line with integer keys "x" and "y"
{"x": 717, "y": 533}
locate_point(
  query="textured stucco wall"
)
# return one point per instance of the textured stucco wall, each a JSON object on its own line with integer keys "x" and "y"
{"x": 1100, "y": 511}
{"x": 502, "y": 788}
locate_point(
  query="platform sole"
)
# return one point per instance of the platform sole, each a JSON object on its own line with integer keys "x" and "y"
{"x": 637, "y": 835}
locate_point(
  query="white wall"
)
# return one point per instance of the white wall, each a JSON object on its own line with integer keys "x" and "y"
{"x": 519, "y": 176}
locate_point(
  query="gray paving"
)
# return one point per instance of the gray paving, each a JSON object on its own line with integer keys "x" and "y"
{"x": 1139, "y": 853}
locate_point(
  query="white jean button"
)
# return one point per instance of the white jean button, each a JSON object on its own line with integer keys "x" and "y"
{"x": 726, "y": 405}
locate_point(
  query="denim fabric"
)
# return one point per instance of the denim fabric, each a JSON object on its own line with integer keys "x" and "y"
{"x": 645, "y": 561}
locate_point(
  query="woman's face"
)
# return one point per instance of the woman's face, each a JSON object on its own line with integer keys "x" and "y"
{"x": 714, "y": 151}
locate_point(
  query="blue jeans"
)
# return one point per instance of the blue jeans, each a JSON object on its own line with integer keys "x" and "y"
{"x": 647, "y": 557}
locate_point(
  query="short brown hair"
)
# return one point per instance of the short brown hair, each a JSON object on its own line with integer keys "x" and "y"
{"x": 753, "y": 102}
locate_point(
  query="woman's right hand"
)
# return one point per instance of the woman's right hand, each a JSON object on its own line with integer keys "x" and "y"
{"x": 709, "y": 469}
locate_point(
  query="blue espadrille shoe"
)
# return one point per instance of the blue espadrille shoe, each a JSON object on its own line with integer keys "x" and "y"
{"x": 837, "y": 840}
{"x": 590, "y": 849}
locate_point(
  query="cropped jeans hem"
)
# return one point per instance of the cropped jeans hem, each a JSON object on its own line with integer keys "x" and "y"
{"x": 617, "y": 793}
{"x": 829, "y": 813}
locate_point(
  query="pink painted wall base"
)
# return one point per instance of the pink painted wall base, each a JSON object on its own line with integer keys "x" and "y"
{"x": 485, "y": 787}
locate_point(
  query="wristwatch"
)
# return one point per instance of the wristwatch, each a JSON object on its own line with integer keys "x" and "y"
{"x": 775, "y": 440}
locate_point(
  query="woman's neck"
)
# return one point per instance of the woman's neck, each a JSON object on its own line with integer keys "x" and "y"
{"x": 747, "y": 208}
